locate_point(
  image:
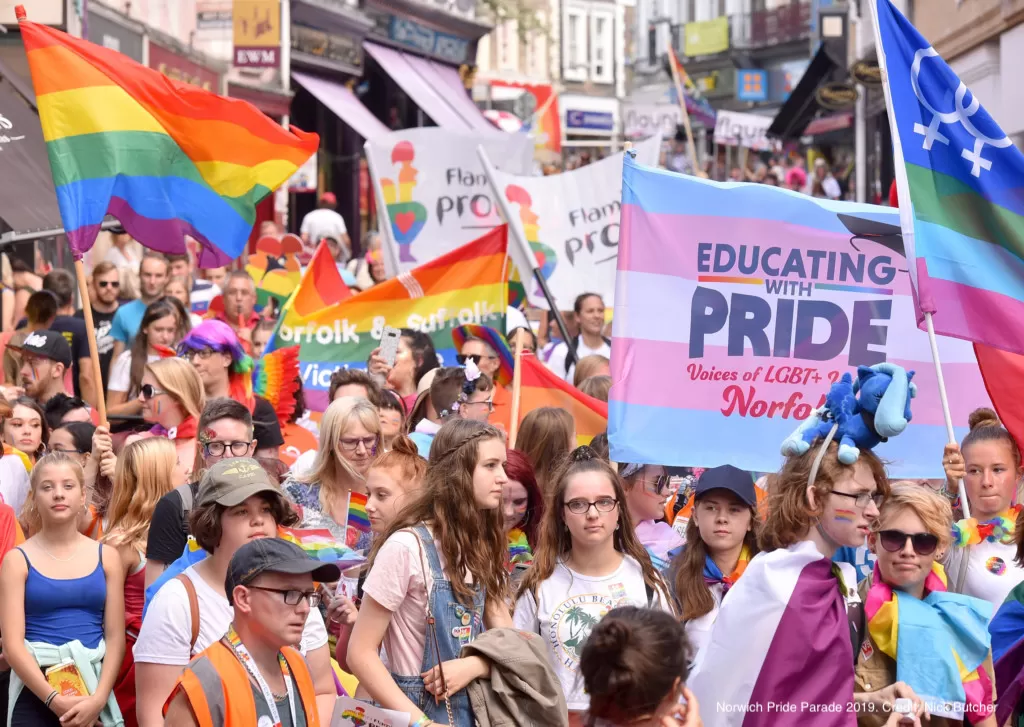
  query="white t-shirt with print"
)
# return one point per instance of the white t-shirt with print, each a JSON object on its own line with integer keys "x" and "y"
{"x": 167, "y": 629}
{"x": 14, "y": 482}
{"x": 568, "y": 606}
{"x": 556, "y": 362}
{"x": 121, "y": 371}
{"x": 991, "y": 572}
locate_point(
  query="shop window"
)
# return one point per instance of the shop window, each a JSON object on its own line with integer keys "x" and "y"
{"x": 603, "y": 47}
{"x": 574, "y": 53}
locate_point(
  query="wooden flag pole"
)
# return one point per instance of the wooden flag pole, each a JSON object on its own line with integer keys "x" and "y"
{"x": 90, "y": 335}
{"x": 517, "y": 389}
{"x": 697, "y": 171}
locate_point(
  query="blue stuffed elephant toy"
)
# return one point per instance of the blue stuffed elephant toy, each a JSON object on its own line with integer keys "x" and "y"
{"x": 865, "y": 412}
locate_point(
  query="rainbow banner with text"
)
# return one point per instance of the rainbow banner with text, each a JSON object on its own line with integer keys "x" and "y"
{"x": 738, "y": 305}
{"x": 467, "y": 285}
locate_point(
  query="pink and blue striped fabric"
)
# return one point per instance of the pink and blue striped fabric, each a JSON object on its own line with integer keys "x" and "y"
{"x": 737, "y": 306}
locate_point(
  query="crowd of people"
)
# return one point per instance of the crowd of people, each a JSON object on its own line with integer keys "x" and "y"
{"x": 148, "y": 560}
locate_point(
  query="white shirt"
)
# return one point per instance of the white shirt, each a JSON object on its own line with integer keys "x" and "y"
{"x": 167, "y": 628}
{"x": 698, "y": 630}
{"x": 324, "y": 222}
{"x": 556, "y": 361}
{"x": 991, "y": 572}
{"x": 121, "y": 371}
{"x": 566, "y": 609}
{"x": 14, "y": 482}
{"x": 120, "y": 260}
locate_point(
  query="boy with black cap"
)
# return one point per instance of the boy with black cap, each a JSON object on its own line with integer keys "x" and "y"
{"x": 253, "y": 676}
{"x": 45, "y": 357}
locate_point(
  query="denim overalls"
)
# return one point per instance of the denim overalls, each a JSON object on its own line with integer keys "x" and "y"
{"x": 456, "y": 626}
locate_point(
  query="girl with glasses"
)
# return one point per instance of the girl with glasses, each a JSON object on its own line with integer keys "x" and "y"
{"x": 145, "y": 473}
{"x": 164, "y": 323}
{"x": 588, "y": 562}
{"x": 436, "y": 580}
{"x": 223, "y": 365}
{"x": 981, "y": 561}
{"x": 350, "y": 439}
{"x": 912, "y": 620}
{"x": 816, "y": 504}
{"x": 648, "y": 488}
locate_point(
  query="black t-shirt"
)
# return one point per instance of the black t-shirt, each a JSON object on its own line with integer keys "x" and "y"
{"x": 104, "y": 341}
{"x": 168, "y": 530}
{"x": 74, "y": 331}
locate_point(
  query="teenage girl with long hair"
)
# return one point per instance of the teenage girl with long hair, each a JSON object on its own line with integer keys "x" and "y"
{"x": 522, "y": 506}
{"x": 721, "y": 538}
{"x": 981, "y": 561}
{"x": 437, "y": 579}
{"x": 545, "y": 436}
{"x": 146, "y": 471}
{"x": 63, "y": 593}
{"x": 588, "y": 561}
{"x": 164, "y": 323}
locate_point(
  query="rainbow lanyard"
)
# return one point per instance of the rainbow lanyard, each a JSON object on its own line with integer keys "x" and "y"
{"x": 243, "y": 655}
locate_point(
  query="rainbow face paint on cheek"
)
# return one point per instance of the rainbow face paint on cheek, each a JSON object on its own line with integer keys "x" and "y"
{"x": 845, "y": 516}
{"x": 158, "y": 407}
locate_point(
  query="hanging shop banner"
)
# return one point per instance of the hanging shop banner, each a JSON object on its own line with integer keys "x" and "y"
{"x": 434, "y": 189}
{"x": 706, "y": 38}
{"x": 256, "y": 28}
{"x": 640, "y": 121}
{"x": 745, "y": 303}
{"x": 733, "y": 128}
{"x": 570, "y": 223}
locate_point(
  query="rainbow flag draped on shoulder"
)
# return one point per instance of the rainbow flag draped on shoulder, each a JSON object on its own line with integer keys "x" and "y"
{"x": 165, "y": 158}
{"x": 959, "y": 180}
{"x": 467, "y": 285}
{"x": 540, "y": 387}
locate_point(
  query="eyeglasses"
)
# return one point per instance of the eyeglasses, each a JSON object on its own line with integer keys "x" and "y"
{"x": 352, "y": 444}
{"x": 294, "y": 598}
{"x": 108, "y": 284}
{"x": 863, "y": 499}
{"x": 663, "y": 485}
{"x": 148, "y": 391}
{"x": 67, "y": 450}
{"x": 201, "y": 354}
{"x": 489, "y": 403}
{"x": 580, "y": 506}
{"x": 895, "y": 540}
{"x": 217, "y": 449}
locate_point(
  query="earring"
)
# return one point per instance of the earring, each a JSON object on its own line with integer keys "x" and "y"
{"x": 616, "y": 526}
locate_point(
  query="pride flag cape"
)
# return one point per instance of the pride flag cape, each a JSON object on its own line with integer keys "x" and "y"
{"x": 467, "y": 285}
{"x": 540, "y": 387}
{"x": 958, "y": 178}
{"x": 165, "y": 158}
{"x": 783, "y": 639}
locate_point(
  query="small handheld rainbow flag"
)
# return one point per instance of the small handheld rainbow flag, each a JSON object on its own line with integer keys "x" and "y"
{"x": 357, "y": 517}
{"x": 322, "y": 546}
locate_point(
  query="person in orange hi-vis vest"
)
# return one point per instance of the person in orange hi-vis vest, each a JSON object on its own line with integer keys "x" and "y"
{"x": 253, "y": 675}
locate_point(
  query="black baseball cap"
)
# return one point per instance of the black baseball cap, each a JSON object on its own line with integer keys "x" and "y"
{"x": 273, "y": 555}
{"x": 47, "y": 344}
{"x": 737, "y": 481}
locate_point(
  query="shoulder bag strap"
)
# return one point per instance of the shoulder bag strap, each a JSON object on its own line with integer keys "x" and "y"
{"x": 193, "y": 608}
{"x": 432, "y": 631}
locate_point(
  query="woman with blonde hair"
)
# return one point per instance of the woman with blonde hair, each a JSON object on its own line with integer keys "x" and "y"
{"x": 173, "y": 399}
{"x": 145, "y": 473}
{"x": 907, "y": 612}
{"x": 350, "y": 439}
{"x": 597, "y": 387}
{"x": 546, "y": 436}
{"x": 591, "y": 366}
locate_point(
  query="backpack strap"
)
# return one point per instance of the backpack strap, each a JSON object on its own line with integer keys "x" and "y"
{"x": 193, "y": 608}
{"x": 573, "y": 346}
{"x": 650, "y": 594}
{"x": 185, "y": 492}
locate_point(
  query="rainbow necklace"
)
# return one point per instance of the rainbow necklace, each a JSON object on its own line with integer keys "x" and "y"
{"x": 999, "y": 529}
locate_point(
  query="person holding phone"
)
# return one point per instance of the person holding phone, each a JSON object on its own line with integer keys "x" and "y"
{"x": 415, "y": 357}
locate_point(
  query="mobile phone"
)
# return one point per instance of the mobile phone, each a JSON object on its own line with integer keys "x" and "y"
{"x": 389, "y": 344}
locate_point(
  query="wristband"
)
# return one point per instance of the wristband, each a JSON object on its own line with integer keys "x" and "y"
{"x": 422, "y": 722}
{"x": 50, "y": 698}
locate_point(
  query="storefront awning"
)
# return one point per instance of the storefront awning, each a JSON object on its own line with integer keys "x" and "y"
{"x": 344, "y": 104}
{"x": 802, "y": 105}
{"x": 14, "y": 69}
{"x": 436, "y": 89}
{"x": 28, "y": 203}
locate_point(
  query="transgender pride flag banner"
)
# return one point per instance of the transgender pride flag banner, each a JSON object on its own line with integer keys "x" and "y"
{"x": 738, "y": 305}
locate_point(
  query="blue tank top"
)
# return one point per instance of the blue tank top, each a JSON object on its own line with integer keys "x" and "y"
{"x": 59, "y": 610}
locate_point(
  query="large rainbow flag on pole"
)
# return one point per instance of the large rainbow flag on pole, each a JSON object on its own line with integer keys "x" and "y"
{"x": 540, "y": 387}
{"x": 467, "y": 285}
{"x": 165, "y": 158}
{"x": 959, "y": 180}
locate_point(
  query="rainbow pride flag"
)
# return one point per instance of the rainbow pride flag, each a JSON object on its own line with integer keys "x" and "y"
{"x": 357, "y": 517}
{"x": 165, "y": 158}
{"x": 321, "y": 545}
{"x": 540, "y": 387}
{"x": 467, "y": 285}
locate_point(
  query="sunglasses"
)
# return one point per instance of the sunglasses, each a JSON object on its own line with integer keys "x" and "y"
{"x": 894, "y": 540}
{"x": 108, "y": 284}
{"x": 148, "y": 391}
{"x": 474, "y": 357}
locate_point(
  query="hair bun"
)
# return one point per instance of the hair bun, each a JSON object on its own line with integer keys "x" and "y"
{"x": 983, "y": 417}
{"x": 403, "y": 445}
{"x": 582, "y": 454}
